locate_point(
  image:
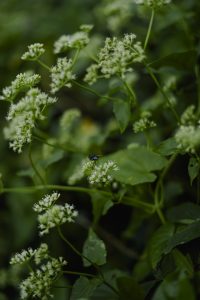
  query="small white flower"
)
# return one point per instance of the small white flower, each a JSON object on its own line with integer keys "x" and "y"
{"x": 22, "y": 117}
{"x": 144, "y": 122}
{"x": 78, "y": 40}
{"x": 188, "y": 138}
{"x": 61, "y": 74}
{"x": 22, "y": 82}
{"x": 101, "y": 174}
{"x": 34, "y": 52}
{"x": 39, "y": 283}
{"x": 53, "y": 215}
{"x": 24, "y": 256}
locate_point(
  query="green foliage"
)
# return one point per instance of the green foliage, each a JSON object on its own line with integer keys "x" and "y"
{"x": 104, "y": 135}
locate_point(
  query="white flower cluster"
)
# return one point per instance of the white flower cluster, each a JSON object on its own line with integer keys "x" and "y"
{"x": 39, "y": 283}
{"x": 188, "y": 138}
{"x": 22, "y": 82}
{"x": 189, "y": 116}
{"x": 153, "y": 3}
{"x": 24, "y": 256}
{"x": 51, "y": 214}
{"x": 101, "y": 173}
{"x": 115, "y": 58}
{"x": 78, "y": 40}
{"x": 61, "y": 74}
{"x": 22, "y": 117}
{"x": 144, "y": 123}
{"x": 34, "y": 52}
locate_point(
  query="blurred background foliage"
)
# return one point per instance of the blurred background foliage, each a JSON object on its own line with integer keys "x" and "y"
{"x": 24, "y": 22}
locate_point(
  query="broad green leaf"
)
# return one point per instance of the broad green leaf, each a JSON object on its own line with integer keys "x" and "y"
{"x": 187, "y": 234}
{"x": 185, "y": 212}
{"x": 167, "y": 147}
{"x": 180, "y": 60}
{"x": 83, "y": 288}
{"x": 129, "y": 289}
{"x": 193, "y": 169}
{"x": 183, "y": 262}
{"x": 103, "y": 292}
{"x": 101, "y": 204}
{"x": 159, "y": 242}
{"x": 175, "y": 286}
{"x": 94, "y": 249}
{"x": 121, "y": 110}
{"x": 136, "y": 165}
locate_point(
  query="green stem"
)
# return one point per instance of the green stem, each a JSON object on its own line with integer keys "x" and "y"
{"x": 35, "y": 168}
{"x": 75, "y": 57}
{"x": 158, "y": 194}
{"x": 31, "y": 189}
{"x": 86, "y": 88}
{"x": 130, "y": 92}
{"x": 83, "y": 256}
{"x": 149, "y": 29}
{"x": 79, "y": 273}
{"x": 43, "y": 65}
{"x": 163, "y": 93}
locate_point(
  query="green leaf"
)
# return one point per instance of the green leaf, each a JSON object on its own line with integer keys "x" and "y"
{"x": 136, "y": 165}
{"x": 193, "y": 169}
{"x": 187, "y": 211}
{"x": 187, "y": 234}
{"x": 159, "y": 242}
{"x": 101, "y": 204}
{"x": 129, "y": 289}
{"x": 122, "y": 113}
{"x": 179, "y": 60}
{"x": 183, "y": 262}
{"x": 83, "y": 288}
{"x": 176, "y": 287}
{"x": 94, "y": 249}
{"x": 167, "y": 147}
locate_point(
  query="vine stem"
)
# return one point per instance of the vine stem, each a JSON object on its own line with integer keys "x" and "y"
{"x": 44, "y": 65}
{"x": 79, "y": 273}
{"x": 35, "y": 168}
{"x": 31, "y": 189}
{"x": 149, "y": 29}
{"x": 86, "y": 258}
{"x": 158, "y": 201}
{"x": 163, "y": 93}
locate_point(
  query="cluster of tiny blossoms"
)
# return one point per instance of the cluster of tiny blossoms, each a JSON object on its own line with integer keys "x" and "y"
{"x": 153, "y": 3}
{"x": 99, "y": 174}
{"x": 115, "y": 57}
{"x": 143, "y": 123}
{"x": 53, "y": 215}
{"x": 78, "y": 40}
{"x": 61, "y": 74}
{"x": 22, "y": 117}
{"x": 39, "y": 282}
{"x": 188, "y": 134}
{"x": 22, "y": 82}
{"x": 34, "y": 52}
